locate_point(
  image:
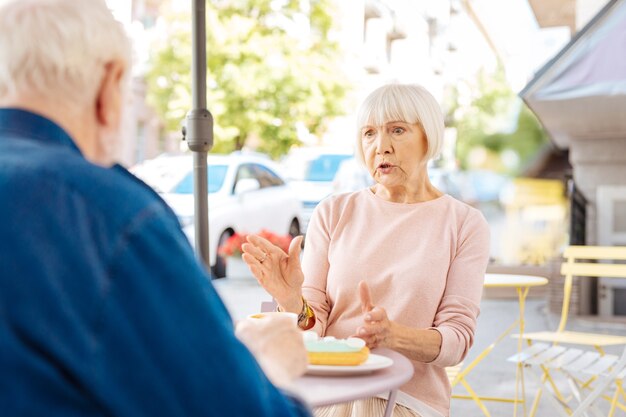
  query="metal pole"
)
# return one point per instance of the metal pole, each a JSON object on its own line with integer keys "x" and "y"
{"x": 198, "y": 63}
{"x": 201, "y": 207}
{"x": 199, "y": 130}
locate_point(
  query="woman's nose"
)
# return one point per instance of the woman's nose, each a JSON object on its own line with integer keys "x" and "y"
{"x": 383, "y": 144}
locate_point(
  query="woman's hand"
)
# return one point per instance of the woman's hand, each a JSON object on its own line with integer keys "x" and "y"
{"x": 423, "y": 345}
{"x": 377, "y": 330}
{"x": 279, "y": 273}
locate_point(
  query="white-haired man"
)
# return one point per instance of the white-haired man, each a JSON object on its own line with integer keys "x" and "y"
{"x": 103, "y": 308}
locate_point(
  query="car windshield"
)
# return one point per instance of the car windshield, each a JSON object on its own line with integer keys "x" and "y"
{"x": 216, "y": 174}
{"x": 324, "y": 167}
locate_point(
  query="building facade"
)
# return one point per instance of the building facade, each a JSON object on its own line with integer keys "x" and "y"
{"x": 580, "y": 98}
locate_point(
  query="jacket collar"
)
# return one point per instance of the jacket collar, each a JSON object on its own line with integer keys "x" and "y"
{"x": 28, "y": 125}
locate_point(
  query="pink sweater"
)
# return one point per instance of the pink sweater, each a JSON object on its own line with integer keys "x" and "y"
{"x": 424, "y": 264}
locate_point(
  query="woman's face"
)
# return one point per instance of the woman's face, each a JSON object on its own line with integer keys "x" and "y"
{"x": 394, "y": 152}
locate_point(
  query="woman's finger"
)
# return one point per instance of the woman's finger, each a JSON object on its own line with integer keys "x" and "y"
{"x": 295, "y": 247}
{"x": 376, "y": 314}
{"x": 370, "y": 341}
{"x": 367, "y": 330}
{"x": 366, "y": 297}
{"x": 250, "y": 259}
{"x": 374, "y": 328}
{"x": 263, "y": 244}
{"x": 362, "y": 333}
{"x": 255, "y": 251}
{"x": 260, "y": 270}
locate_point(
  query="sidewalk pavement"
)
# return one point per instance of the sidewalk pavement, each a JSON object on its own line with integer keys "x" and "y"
{"x": 494, "y": 376}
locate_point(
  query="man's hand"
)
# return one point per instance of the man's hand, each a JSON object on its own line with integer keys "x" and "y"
{"x": 276, "y": 343}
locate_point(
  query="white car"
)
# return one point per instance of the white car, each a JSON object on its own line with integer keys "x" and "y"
{"x": 246, "y": 195}
{"x": 163, "y": 172}
{"x": 351, "y": 176}
{"x": 311, "y": 172}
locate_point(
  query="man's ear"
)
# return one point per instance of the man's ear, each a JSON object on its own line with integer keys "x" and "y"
{"x": 109, "y": 97}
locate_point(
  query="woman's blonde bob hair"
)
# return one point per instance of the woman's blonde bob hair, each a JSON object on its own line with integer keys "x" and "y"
{"x": 410, "y": 103}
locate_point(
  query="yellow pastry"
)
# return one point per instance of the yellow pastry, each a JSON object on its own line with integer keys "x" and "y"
{"x": 331, "y": 351}
{"x": 339, "y": 358}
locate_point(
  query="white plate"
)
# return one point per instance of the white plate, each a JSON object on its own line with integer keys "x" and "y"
{"x": 373, "y": 363}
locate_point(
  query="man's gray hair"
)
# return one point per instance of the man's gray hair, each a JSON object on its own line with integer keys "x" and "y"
{"x": 409, "y": 103}
{"x": 57, "y": 49}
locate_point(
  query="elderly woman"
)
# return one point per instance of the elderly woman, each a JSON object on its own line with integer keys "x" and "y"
{"x": 415, "y": 255}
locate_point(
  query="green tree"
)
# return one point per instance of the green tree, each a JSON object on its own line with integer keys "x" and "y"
{"x": 271, "y": 66}
{"x": 494, "y": 120}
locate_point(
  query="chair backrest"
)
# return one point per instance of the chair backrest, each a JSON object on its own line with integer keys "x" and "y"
{"x": 577, "y": 265}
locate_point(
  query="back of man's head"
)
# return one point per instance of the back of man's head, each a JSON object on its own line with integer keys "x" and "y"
{"x": 56, "y": 50}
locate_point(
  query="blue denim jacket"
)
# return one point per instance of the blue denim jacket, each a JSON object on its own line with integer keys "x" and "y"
{"x": 104, "y": 310}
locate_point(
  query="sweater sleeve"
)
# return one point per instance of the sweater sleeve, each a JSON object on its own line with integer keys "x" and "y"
{"x": 459, "y": 307}
{"x": 166, "y": 344}
{"x": 315, "y": 265}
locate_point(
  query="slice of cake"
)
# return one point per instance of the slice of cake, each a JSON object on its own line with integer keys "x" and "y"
{"x": 331, "y": 351}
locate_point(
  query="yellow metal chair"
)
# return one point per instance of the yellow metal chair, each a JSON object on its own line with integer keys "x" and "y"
{"x": 616, "y": 376}
{"x": 580, "y": 367}
{"x": 577, "y": 264}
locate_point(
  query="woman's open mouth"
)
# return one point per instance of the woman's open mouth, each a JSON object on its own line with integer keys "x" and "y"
{"x": 385, "y": 168}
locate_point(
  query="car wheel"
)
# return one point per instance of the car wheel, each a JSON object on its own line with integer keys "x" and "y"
{"x": 219, "y": 269}
{"x": 294, "y": 228}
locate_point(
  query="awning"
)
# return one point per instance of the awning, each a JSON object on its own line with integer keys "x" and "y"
{"x": 581, "y": 92}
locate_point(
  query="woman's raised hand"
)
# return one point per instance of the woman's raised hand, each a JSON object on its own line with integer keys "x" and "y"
{"x": 377, "y": 328}
{"x": 279, "y": 273}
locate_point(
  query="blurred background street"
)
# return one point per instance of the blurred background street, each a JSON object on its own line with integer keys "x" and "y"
{"x": 284, "y": 80}
{"x": 533, "y": 94}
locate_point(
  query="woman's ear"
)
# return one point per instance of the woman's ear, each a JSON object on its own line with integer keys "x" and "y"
{"x": 109, "y": 99}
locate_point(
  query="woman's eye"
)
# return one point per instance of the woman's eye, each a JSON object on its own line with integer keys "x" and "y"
{"x": 398, "y": 130}
{"x": 368, "y": 134}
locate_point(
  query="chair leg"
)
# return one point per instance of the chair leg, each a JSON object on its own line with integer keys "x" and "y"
{"x": 555, "y": 389}
{"x": 554, "y": 395}
{"x": 589, "y": 399}
{"x": 618, "y": 404}
{"x": 521, "y": 370}
{"x": 577, "y": 387}
{"x": 618, "y": 389}
{"x": 587, "y": 384}
{"x": 533, "y": 409}
{"x": 576, "y": 390}
{"x": 475, "y": 397}
{"x": 562, "y": 408}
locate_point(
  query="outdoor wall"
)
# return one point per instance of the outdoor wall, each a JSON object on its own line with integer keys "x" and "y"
{"x": 597, "y": 162}
{"x": 141, "y": 128}
{"x": 587, "y": 9}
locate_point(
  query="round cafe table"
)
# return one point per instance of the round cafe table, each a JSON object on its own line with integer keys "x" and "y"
{"x": 327, "y": 390}
{"x": 513, "y": 281}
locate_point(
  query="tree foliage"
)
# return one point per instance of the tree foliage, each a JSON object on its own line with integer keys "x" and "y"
{"x": 271, "y": 66}
{"x": 493, "y": 119}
